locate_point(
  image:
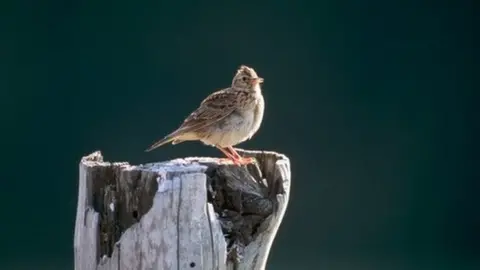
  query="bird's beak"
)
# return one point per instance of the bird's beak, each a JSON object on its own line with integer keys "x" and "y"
{"x": 258, "y": 80}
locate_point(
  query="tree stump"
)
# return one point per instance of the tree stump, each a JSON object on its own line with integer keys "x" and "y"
{"x": 192, "y": 213}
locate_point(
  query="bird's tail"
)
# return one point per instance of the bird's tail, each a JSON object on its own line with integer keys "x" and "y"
{"x": 163, "y": 141}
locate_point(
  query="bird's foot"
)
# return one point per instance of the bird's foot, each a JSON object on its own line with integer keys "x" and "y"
{"x": 237, "y": 161}
{"x": 245, "y": 161}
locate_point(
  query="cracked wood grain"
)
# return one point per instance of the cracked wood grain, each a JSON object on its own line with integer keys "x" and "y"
{"x": 192, "y": 213}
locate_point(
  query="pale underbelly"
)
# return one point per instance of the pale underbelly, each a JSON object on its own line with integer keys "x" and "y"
{"x": 231, "y": 131}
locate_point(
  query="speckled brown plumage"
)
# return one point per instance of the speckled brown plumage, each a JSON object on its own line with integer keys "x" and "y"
{"x": 226, "y": 117}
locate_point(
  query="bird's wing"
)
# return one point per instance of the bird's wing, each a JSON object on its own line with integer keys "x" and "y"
{"x": 212, "y": 109}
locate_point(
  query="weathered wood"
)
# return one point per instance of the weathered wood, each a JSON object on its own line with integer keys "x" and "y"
{"x": 192, "y": 213}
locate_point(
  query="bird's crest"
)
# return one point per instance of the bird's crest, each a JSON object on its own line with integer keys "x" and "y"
{"x": 245, "y": 70}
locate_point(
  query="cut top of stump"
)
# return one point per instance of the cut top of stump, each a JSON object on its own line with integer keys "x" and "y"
{"x": 245, "y": 199}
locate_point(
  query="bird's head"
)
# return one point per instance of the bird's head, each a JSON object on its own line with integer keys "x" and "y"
{"x": 246, "y": 78}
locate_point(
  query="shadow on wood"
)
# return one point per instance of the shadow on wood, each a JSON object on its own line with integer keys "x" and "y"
{"x": 192, "y": 213}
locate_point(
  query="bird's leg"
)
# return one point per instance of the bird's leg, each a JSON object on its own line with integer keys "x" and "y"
{"x": 233, "y": 152}
{"x": 229, "y": 155}
{"x": 241, "y": 160}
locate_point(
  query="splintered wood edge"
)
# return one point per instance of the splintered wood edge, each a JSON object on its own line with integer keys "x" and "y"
{"x": 256, "y": 253}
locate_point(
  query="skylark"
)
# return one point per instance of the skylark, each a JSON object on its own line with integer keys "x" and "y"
{"x": 225, "y": 118}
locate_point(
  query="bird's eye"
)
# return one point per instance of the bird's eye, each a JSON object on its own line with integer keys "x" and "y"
{"x": 244, "y": 79}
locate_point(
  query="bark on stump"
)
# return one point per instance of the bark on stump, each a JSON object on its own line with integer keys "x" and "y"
{"x": 192, "y": 213}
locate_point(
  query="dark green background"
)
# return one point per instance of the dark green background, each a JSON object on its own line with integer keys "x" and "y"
{"x": 373, "y": 101}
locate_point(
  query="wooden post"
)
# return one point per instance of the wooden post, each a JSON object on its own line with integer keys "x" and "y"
{"x": 192, "y": 213}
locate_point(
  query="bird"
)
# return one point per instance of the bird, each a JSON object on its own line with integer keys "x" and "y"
{"x": 225, "y": 118}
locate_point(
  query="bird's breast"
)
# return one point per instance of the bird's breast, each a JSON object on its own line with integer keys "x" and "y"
{"x": 257, "y": 115}
{"x": 238, "y": 127}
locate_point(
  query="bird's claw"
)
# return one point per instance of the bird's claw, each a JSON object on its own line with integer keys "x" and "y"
{"x": 245, "y": 161}
{"x": 238, "y": 161}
